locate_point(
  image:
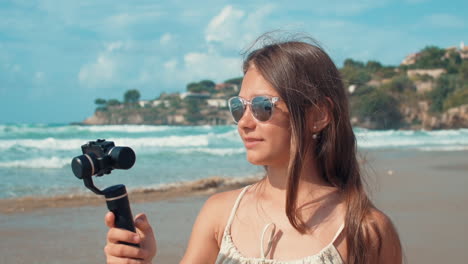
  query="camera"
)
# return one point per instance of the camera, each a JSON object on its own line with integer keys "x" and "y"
{"x": 101, "y": 157}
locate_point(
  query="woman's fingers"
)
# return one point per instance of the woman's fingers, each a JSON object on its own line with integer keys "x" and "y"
{"x": 117, "y": 260}
{"x": 109, "y": 219}
{"x": 144, "y": 229}
{"x": 116, "y": 235}
{"x": 121, "y": 253}
{"x": 141, "y": 222}
{"x": 125, "y": 251}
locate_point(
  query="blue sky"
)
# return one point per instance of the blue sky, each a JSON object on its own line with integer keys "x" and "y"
{"x": 57, "y": 57}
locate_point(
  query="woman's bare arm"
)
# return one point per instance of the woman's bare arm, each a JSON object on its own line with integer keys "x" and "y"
{"x": 203, "y": 246}
{"x": 390, "y": 251}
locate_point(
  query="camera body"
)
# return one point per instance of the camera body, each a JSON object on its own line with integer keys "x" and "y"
{"x": 101, "y": 157}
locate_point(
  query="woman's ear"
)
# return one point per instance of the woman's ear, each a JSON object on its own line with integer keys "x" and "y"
{"x": 319, "y": 116}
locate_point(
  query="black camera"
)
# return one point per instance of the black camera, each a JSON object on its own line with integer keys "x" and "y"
{"x": 101, "y": 157}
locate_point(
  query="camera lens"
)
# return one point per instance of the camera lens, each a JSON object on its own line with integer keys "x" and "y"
{"x": 82, "y": 167}
{"x": 122, "y": 157}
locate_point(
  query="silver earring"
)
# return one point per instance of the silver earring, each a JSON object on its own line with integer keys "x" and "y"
{"x": 314, "y": 136}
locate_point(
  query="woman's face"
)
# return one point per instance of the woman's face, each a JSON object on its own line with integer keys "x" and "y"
{"x": 267, "y": 143}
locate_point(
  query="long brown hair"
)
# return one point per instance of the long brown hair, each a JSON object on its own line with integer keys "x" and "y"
{"x": 305, "y": 76}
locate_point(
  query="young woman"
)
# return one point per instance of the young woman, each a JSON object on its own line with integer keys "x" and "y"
{"x": 292, "y": 115}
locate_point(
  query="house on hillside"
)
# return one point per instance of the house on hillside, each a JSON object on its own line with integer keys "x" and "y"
{"x": 154, "y": 103}
{"x": 217, "y": 102}
{"x": 195, "y": 95}
{"x": 463, "y": 51}
{"x": 410, "y": 59}
{"x": 434, "y": 73}
{"x": 227, "y": 86}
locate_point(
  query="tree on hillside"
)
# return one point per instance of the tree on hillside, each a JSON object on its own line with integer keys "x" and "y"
{"x": 399, "y": 84}
{"x": 457, "y": 98}
{"x": 237, "y": 81}
{"x": 208, "y": 84}
{"x": 373, "y": 66}
{"x": 354, "y": 72}
{"x": 113, "y": 102}
{"x": 202, "y": 86}
{"x": 353, "y": 63}
{"x": 463, "y": 71}
{"x": 193, "y": 107}
{"x": 379, "y": 108}
{"x": 101, "y": 104}
{"x": 452, "y": 61}
{"x": 429, "y": 58}
{"x": 446, "y": 84}
{"x": 131, "y": 96}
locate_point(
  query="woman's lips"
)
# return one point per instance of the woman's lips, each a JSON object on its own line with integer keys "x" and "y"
{"x": 251, "y": 142}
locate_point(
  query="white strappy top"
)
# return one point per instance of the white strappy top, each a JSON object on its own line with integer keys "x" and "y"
{"x": 229, "y": 254}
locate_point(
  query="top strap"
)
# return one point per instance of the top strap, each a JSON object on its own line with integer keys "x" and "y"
{"x": 337, "y": 233}
{"x": 234, "y": 209}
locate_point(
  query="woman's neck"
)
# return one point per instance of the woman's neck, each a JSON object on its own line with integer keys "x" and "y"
{"x": 311, "y": 185}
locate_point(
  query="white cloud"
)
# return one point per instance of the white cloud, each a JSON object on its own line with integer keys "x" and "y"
{"x": 166, "y": 39}
{"x": 211, "y": 65}
{"x": 134, "y": 16}
{"x": 170, "y": 64}
{"x": 223, "y": 26}
{"x": 345, "y": 39}
{"x": 345, "y": 8}
{"x": 443, "y": 21}
{"x": 104, "y": 71}
{"x": 97, "y": 73}
{"x": 233, "y": 28}
{"x": 12, "y": 67}
{"x": 15, "y": 68}
{"x": 114, "y": 46}
{"x": 39, "y": 76}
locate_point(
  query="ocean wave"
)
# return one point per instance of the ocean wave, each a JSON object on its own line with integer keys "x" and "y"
{"x": 63, "y": 131}
{"x": 409, "y": 143}
{"x": 362, "y": 132}
{"x": 125, "y": 128}
{"x": 37, "y": 163}
{"x": 35, "y": 129}
{"x": 444, "y": 148}
{"x": 449, "y": 139}
{"x": 70, "y": 144}
{"x": 212, "y": 151}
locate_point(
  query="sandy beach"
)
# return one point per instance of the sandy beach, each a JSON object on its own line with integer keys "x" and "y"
{"x": 424, "y": 193}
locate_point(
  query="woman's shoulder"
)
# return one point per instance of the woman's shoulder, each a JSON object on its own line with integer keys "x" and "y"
{"x": 384, "y": 233}
{"x": 380, "y": 222}
{"x": 218, "y": 208}
{"x": 224, "y": 198}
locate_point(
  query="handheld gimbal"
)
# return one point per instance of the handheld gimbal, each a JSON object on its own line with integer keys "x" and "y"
{"x": 101, "y": 157}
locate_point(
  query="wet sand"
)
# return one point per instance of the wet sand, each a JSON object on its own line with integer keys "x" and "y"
{"x": 424, "y": 193}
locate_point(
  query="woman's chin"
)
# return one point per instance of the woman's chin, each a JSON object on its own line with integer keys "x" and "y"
{"x": 256, "y": 160}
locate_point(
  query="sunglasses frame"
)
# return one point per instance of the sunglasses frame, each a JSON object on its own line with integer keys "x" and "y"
{"x": 273, "y": 100}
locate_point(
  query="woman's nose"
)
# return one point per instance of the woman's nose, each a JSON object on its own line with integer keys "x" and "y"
{"x": 247, "y": 120}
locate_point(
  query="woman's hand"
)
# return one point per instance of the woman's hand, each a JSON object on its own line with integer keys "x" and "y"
{"x": 120, "y": 253}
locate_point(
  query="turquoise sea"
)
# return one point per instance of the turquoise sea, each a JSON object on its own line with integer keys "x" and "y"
{"x": 35, "y": 158}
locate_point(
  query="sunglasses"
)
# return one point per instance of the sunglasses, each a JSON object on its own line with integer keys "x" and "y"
{"x": 260, "y": 106}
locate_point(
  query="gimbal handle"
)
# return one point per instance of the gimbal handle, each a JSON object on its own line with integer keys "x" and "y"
{"x": 117, "y": 202}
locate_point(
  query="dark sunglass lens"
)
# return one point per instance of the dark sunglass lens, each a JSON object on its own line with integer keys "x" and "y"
{"x": 262, "y": 108}
{"x": 237, "y": 108}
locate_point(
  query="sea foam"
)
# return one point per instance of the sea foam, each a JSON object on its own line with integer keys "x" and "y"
{"x": 37, "y": 163}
